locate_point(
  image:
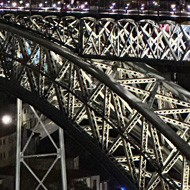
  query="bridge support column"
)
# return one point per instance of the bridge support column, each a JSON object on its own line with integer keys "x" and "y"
{"x": 27, "y": 156}
{"x": 63, "y": 163}
{"x": 18, "y": 145}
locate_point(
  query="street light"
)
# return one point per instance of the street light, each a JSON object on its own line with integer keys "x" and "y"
{"x": 6, "y": 119}
{"x": 14, "y": 4}
{"x": 27, "y": 5}
{"x": 41, "y": 5}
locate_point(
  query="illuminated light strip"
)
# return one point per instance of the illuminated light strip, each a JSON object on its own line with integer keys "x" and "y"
{"x": 136, "y": 81}
{"x": 128, "y": 71}
{"x": 175, "y": 122}
{"x": 173, "y": 111}
{"x": 172, "y": 100}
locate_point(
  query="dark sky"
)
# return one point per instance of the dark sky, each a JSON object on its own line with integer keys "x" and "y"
{"x": 7, "y": 103}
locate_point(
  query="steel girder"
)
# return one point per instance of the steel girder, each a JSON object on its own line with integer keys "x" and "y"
{"x": 133, "y": 115}
{"x": 127, "y": 38}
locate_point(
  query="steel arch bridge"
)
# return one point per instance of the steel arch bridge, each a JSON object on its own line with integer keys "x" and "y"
{"x": 128, "y": 116}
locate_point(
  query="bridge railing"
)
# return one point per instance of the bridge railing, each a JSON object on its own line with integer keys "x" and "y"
{"x": 107, "y": 37}
{"x": 127, "y": 38}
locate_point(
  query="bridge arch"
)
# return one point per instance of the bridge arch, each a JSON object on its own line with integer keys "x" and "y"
{"x": 90, "y": 97}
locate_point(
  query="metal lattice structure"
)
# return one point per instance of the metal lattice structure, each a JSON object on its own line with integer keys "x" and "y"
{"x": 129, "y": 113}
{"x": 107, "y": 37}
{"x": 25, "y": 155}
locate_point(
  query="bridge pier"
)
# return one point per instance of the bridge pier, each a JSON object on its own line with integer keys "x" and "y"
{"x": 18, "y": 147}
{"x": 22, "y": 155}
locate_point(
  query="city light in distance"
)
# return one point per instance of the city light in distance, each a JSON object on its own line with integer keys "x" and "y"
{"x": 14, "y": 4}
{"x": 123, "y": 188}
{"x": 6, "y": 119}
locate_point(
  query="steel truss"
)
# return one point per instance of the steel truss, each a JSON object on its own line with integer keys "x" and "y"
{"x": 25, "y": 156}
{"x": 136, "y": 117}
{"x": 127, "y": 38}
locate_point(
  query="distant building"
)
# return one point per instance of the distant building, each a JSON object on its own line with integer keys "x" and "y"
{"x": 6, "y": 182}
{"x": 7, "y": 160}
{"x": 7, "y": 149}
{"x": 93, "y": 182}
{"x": 8, "y": 136}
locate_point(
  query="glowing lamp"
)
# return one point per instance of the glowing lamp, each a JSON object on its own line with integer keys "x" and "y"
{"x": 6, "y": 119}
